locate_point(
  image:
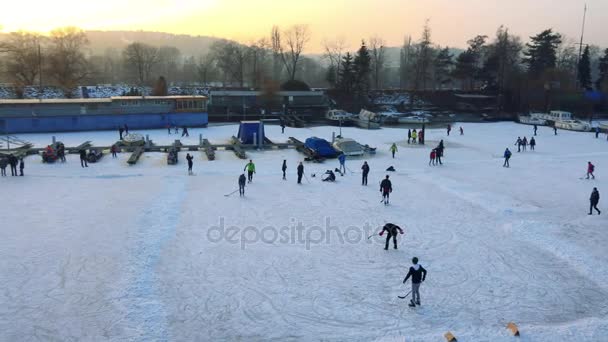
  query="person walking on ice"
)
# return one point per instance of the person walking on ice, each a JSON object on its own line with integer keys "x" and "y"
{"x": 532, "y": 143}
{"x": 3, "y": 165}
{"x": 449, "y": 129}
{"x": 284, "y": 168}
{"x": 386, "y": 187}
{"x": 242, "y": 185}
{"x": 83, "y": 158}
{"x": 590, "y": 170}
{"x": 535, "y": 129}
{"x": 414, "y": 136}
{"x": 391, "y": 230}
{"x": 433, "y": 156}
{"x": 594, "y": 200}
{"x": 185, "y": 132}
{"x": 189, "y": 158}
{"x": 461, "y": 131}
{"x": 342, "y": 159}
{"x": 409, "y": 135}
{"x": 507, "y": 156}
{"x": 300, "y": 172}
{"x": 250, "y": 168}
{"x": 365, "y": 172}
{"x": 418, "y": 274}
{"x": 21, "y": 166}
{"x": 394, "y": 148}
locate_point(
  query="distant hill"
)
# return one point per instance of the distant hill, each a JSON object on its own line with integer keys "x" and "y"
{"x": 188, "y": 45}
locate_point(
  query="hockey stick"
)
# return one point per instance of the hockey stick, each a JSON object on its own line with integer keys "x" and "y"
{"x": 232, "y": 193}
{"x": 407, "y": 294}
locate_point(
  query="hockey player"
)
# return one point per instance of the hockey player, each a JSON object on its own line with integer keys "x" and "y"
{"x": 418, "y": 274}
{"x": 391, "y": 230}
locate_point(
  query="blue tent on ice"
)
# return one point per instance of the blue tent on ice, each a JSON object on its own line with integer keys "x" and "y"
{"x": 248, "y": 129}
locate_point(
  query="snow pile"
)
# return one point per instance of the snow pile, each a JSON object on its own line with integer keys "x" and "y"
{"x": 99, "y": 91}
{"x": 147, "y": 253}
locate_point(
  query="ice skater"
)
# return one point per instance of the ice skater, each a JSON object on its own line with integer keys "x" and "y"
{"x": 185, "y": 132}
{"x": 409, "y": 136}
{"x": 83, "y": 158}
{"x": 414, "y": 136}
{"x": 300, "y": 172}
{"x": 284, "y": 168}
{"x": 597, "y": 132}
{"x": 250, "y": 168}
{"x": 432, "y": 157}
{"x": 590, "y": 170}
{"x": 594, "y": 200}
{"x": 12, "y": 161}
{"x": 21, "y": 166}
{"x": 394, "y": 147}
{"x": 114, "y": 149}
{"x": 507, "y": 156}
{"x": 461, "y": 131}
{"x": 3, "y": 165}
{"x": 189, "y": 158}
{"x": 449, "y": 129}
{"x": 554, "y": 129}
{"x": 418, "y": 274}
{"x": 524, "y": 144}
{"x": 120, "y": 132}
{"x": 518, "y": 143}
{"x": 242, "y": 185}
{"x": 532, "y": 143}
{"x": 386, "y": 187}
{"x": 535, "y": 129}
{"x": 342, "y": 159}
{"x": 392, "y": 231}
{"x": 365, "y": 172}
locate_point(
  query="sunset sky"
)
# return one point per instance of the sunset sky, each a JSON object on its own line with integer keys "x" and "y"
{"x": 453, "y": 21}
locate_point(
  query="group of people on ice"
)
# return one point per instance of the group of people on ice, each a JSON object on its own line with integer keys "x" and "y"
{"x": 437, "y": 154}
{"x": 14, "y": 162}
{"x": 522, "y": 144}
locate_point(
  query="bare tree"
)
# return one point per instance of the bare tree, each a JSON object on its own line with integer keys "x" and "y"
{"x": 205, "y": 68}
{"x": 424, "y": 58}
{"x": 334, "y": 51}
{"x": 258, "y": 53}
{"x": 378, "y": 52}
{"x": 139, "y": 60}
{"x": 275, "y": 44}
{"x": 24, "y": 57}
{"x": 231, "y": 58}
{"x": 169, "y": 58}
{"x": 67, "y": 64}
{"x": 296, "y": 38}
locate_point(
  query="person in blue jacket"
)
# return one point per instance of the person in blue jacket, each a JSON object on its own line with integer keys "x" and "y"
{"x": 342, "y": 159}
{"x": 507, "y": 156}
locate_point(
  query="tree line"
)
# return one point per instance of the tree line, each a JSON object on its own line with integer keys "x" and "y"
{"x": 523, "y": 75}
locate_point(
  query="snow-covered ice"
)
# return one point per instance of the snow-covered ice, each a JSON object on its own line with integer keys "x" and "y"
{"x": 117, "y": 252}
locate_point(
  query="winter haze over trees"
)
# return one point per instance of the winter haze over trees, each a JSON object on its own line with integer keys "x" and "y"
{"x": 517, "y": 69}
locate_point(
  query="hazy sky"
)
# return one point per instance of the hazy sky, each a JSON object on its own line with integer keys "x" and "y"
{"x": 453, "y": 21}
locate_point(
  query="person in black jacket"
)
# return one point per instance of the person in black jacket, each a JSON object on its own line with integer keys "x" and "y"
{"x": 185, "y": 132}
{"x": 83, "y": 158}
{"x": 3, "y": 164}
{"x": 392, "y": 230}
{"x": 189, "y": 158}
{"x": 12, "y": 161}
{"x": 120, "y": 132}
{"x": 284, "y": 168}
{"x": 418, "y": 274}
{"x": 365, "y": 172}
{"x": 386, "y": 188}
{"x": 242, "y": 180}
{"x": 300, "y": 172}
{"x": 594, "y": 199}
{"x": 21, "y": 166}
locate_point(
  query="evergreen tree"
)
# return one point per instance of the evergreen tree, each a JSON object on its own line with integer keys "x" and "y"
{"x": 443, "y": 65}
{"x": 362, "y": 67}
{"x": 424, "y": 58}
{"x": 602, "y": 81}
{"x": 346, "y": 76}
{"x": 584, "y": 70}
{"x": 541, "y": 53}
{"x": 469, "y": 64}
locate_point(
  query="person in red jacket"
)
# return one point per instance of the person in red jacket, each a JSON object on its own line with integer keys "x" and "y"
{"x": 391, "y": 230}
{"x": 433, "y": 156}
{"x": 590, "y": 169}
